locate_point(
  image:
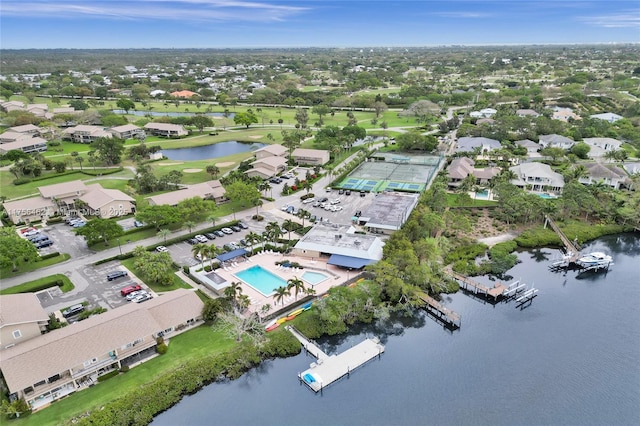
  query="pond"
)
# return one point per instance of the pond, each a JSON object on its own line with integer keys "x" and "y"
{"x": 220, "y": 149}
{"x": 171, "y": 114}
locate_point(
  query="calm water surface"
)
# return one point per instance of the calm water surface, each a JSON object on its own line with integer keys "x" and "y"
{"x": 570, "y": 358}
{"x": 220, "y": 149}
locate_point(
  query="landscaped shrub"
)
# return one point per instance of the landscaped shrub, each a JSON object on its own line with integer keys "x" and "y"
{"x": 50, "y": 255}
{"x": 279, "y": 345}
{"x": 257, "y": 217}
{"x": 185, "y": 269}
{"x": 109, "y": 375}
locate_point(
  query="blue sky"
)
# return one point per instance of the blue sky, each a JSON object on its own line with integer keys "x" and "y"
{"x": 323, "y": 23}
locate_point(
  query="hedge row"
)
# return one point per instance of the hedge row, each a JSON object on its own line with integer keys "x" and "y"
{"x": 99, "y": 172}
{"x": 170, "y": 241}
{"x": 141, "y": 404}
{"x": 49, "y": 256}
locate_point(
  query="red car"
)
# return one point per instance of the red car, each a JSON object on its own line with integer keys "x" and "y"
{"x": 130, "y": 289}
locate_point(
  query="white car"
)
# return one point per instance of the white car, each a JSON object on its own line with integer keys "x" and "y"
{"x": 227, "y": 231}
{"x": 135, "y": 294}
{"x": 162, "y": 249}
{"x": 308, "y": 200}
{"x": 31, "y": 233}
{"x": 336, "y": 201}
{"x": 285, "y": 207}
{"x": 201, "y": 238}
{"x": 336, "y": 208}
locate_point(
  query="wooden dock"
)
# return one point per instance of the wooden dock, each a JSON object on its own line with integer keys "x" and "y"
{"x": 571, "y": 247}
{"x": 446, "y": 315}
{"x": 328, "y": 369}
{"x": 468, "y": 284}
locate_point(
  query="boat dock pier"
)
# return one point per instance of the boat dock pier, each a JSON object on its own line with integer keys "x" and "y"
{"x": 571, "y": 247}
{"x": 328, "y": 369}
{"x": 470, "y": 285}
{"x": 514, "y": 288}
{"x": 442, "y": 313}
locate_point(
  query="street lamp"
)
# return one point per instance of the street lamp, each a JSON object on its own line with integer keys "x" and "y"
{"x": 119, "y": 247}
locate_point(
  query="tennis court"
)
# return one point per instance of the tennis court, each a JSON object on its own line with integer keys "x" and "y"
{"x": 409, "y": 173}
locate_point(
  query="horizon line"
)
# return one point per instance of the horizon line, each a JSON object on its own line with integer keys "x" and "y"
{"x": 337, "y": 47}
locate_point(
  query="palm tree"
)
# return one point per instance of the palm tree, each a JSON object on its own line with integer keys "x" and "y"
{"x": 163, "y": 233}
{"x": 252, "y": 238}
{"x": 303, "y": 214}
{"x": 297, "y": 285}
{"x": 213, "y": 170}
{"x": 243, "y": 302}
{"x": 307, "y": 185}
{"x": 211, "y": 252}
{"x": 274, "y": 231}
{"x": 188, "y": 225}
{"x": 288, "y": 225}
{"x": 80, "y": 159}
{"x": 233, "y": 292}
{"x": 281, "y": 292}
{"x": 199, "y": 251}
{"x": 212, "y": 218}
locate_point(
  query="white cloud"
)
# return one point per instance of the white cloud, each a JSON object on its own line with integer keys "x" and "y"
{"x": 174, "y": 10}
{"x": 627, "y": 19}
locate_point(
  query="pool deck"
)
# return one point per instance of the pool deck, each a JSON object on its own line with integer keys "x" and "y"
{"x": 329, "y": 369}
{"x": 268, "y": 261}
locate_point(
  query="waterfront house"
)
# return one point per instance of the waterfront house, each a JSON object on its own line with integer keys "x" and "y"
{"x": 537, "y": 177}
{"x": 166, "y": 130}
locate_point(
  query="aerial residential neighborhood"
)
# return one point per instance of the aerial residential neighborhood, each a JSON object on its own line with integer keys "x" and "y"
{"x": 201, "y": 212}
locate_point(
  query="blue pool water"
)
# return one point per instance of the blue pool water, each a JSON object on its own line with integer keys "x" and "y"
{"x": 313, "y": 278}
{"x": 547, "y": 196}
{"x": 261, "y": 279}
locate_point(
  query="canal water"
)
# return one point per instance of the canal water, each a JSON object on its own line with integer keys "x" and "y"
{"x": 571, "y": 357}
{"x": 216, "y": 150}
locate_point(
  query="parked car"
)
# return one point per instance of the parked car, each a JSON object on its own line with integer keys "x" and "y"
{"x": 31, "y": 233}
{"x": 308, "y": 200}
{"x": 37, "y": 237}
{"x": 336, "y": 201}
{"x": 363, "y": 193}
{"x": 192, "y": 241}
{"x": 323, "y": 199}
{"x": 243, "y": 225}
{"x": 290, "y": 209}
{"x": 210, "y": 235}
{"x": 285, "y": 207}
{"x": 79, "y": 224}
{"x": 142, "y": 298}
{"x": 347, "y": 192}
{"x": 341, "y": 191}
{"x": 162, "y": 249}
{"x": 316, "y": 204}
{"x": 115, "y": 275}
{"x": 201, "y": 238}
{"x": 285, "y": 177}
{"x": 275, "y": 180}
{"x": 70, "y": 219}
{"x": 235, "y": 228}
{"x": 243, "y": 243}
{"x": 358, "y": 213}
{"x": 130, "y": 289}
{"x": 72, "y": 311}
{"x": 219, "y": 233}
{"x": 25, "y": 230}
{"x": 228, "y": 247}
{"x": 134, "y": 294}
{"x": 313, "y": 218}
{"x": 138, "y": 224}
{"x": 74, "y": 221}
{"x": 227, "y": 231}
{"x": 45, "y": 243}
{"x": 328, "y": 190}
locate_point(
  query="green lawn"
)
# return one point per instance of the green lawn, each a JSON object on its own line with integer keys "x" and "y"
{"x": 177, "y": 282}
{"x": 11, "y": 191}
{"x": 194, "y": 344}
{"x": 28, "y": 267}
{"x": 36, "y": 285}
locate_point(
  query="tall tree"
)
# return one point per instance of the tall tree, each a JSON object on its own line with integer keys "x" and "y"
{"x": 201, "y": 121}
{"x": 109, "y": 150}
{"x": 125, "y": 104}
{"x": 100, "y": 229}
{"x": 295, "y": 284}
{"x": 158, "y": 215}
{"x": 213, "y": 170}
{"x": 245, "y": 118}
{"x": 15, "y": 250}
{"x": 281, "y": 293}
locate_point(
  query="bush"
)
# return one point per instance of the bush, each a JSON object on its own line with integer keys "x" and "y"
{"x": 280, "y": 345}
{"x": 50, "y": 255}
{"x": 21, "y": 181}
{"x": 185, "y": 269}
{"x": 109, "y": 375}
{"x": 257, "y": 217}
{"x": 162, "y": 348}
{"x": 124, "y": 368}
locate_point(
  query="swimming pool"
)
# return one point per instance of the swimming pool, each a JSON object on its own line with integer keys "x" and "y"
{"x": 313, "y": 278}
{"x": 261, "y": 279}
{"x": 547, "y": 196}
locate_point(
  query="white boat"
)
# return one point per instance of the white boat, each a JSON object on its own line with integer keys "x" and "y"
{"x": 594, "y": 258}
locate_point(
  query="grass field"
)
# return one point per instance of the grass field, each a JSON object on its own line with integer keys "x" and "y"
{"x": 177, "y": 282}
{"x": 11, "y": 191}
{"x": 28, "y": 267}
{"x": 193, "y": 344}
{"x": 35, "y": 285}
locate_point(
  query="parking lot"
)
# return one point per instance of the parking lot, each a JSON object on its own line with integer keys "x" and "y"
{"x": 350, "y": 205}
{"x": 65, "y": 240}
